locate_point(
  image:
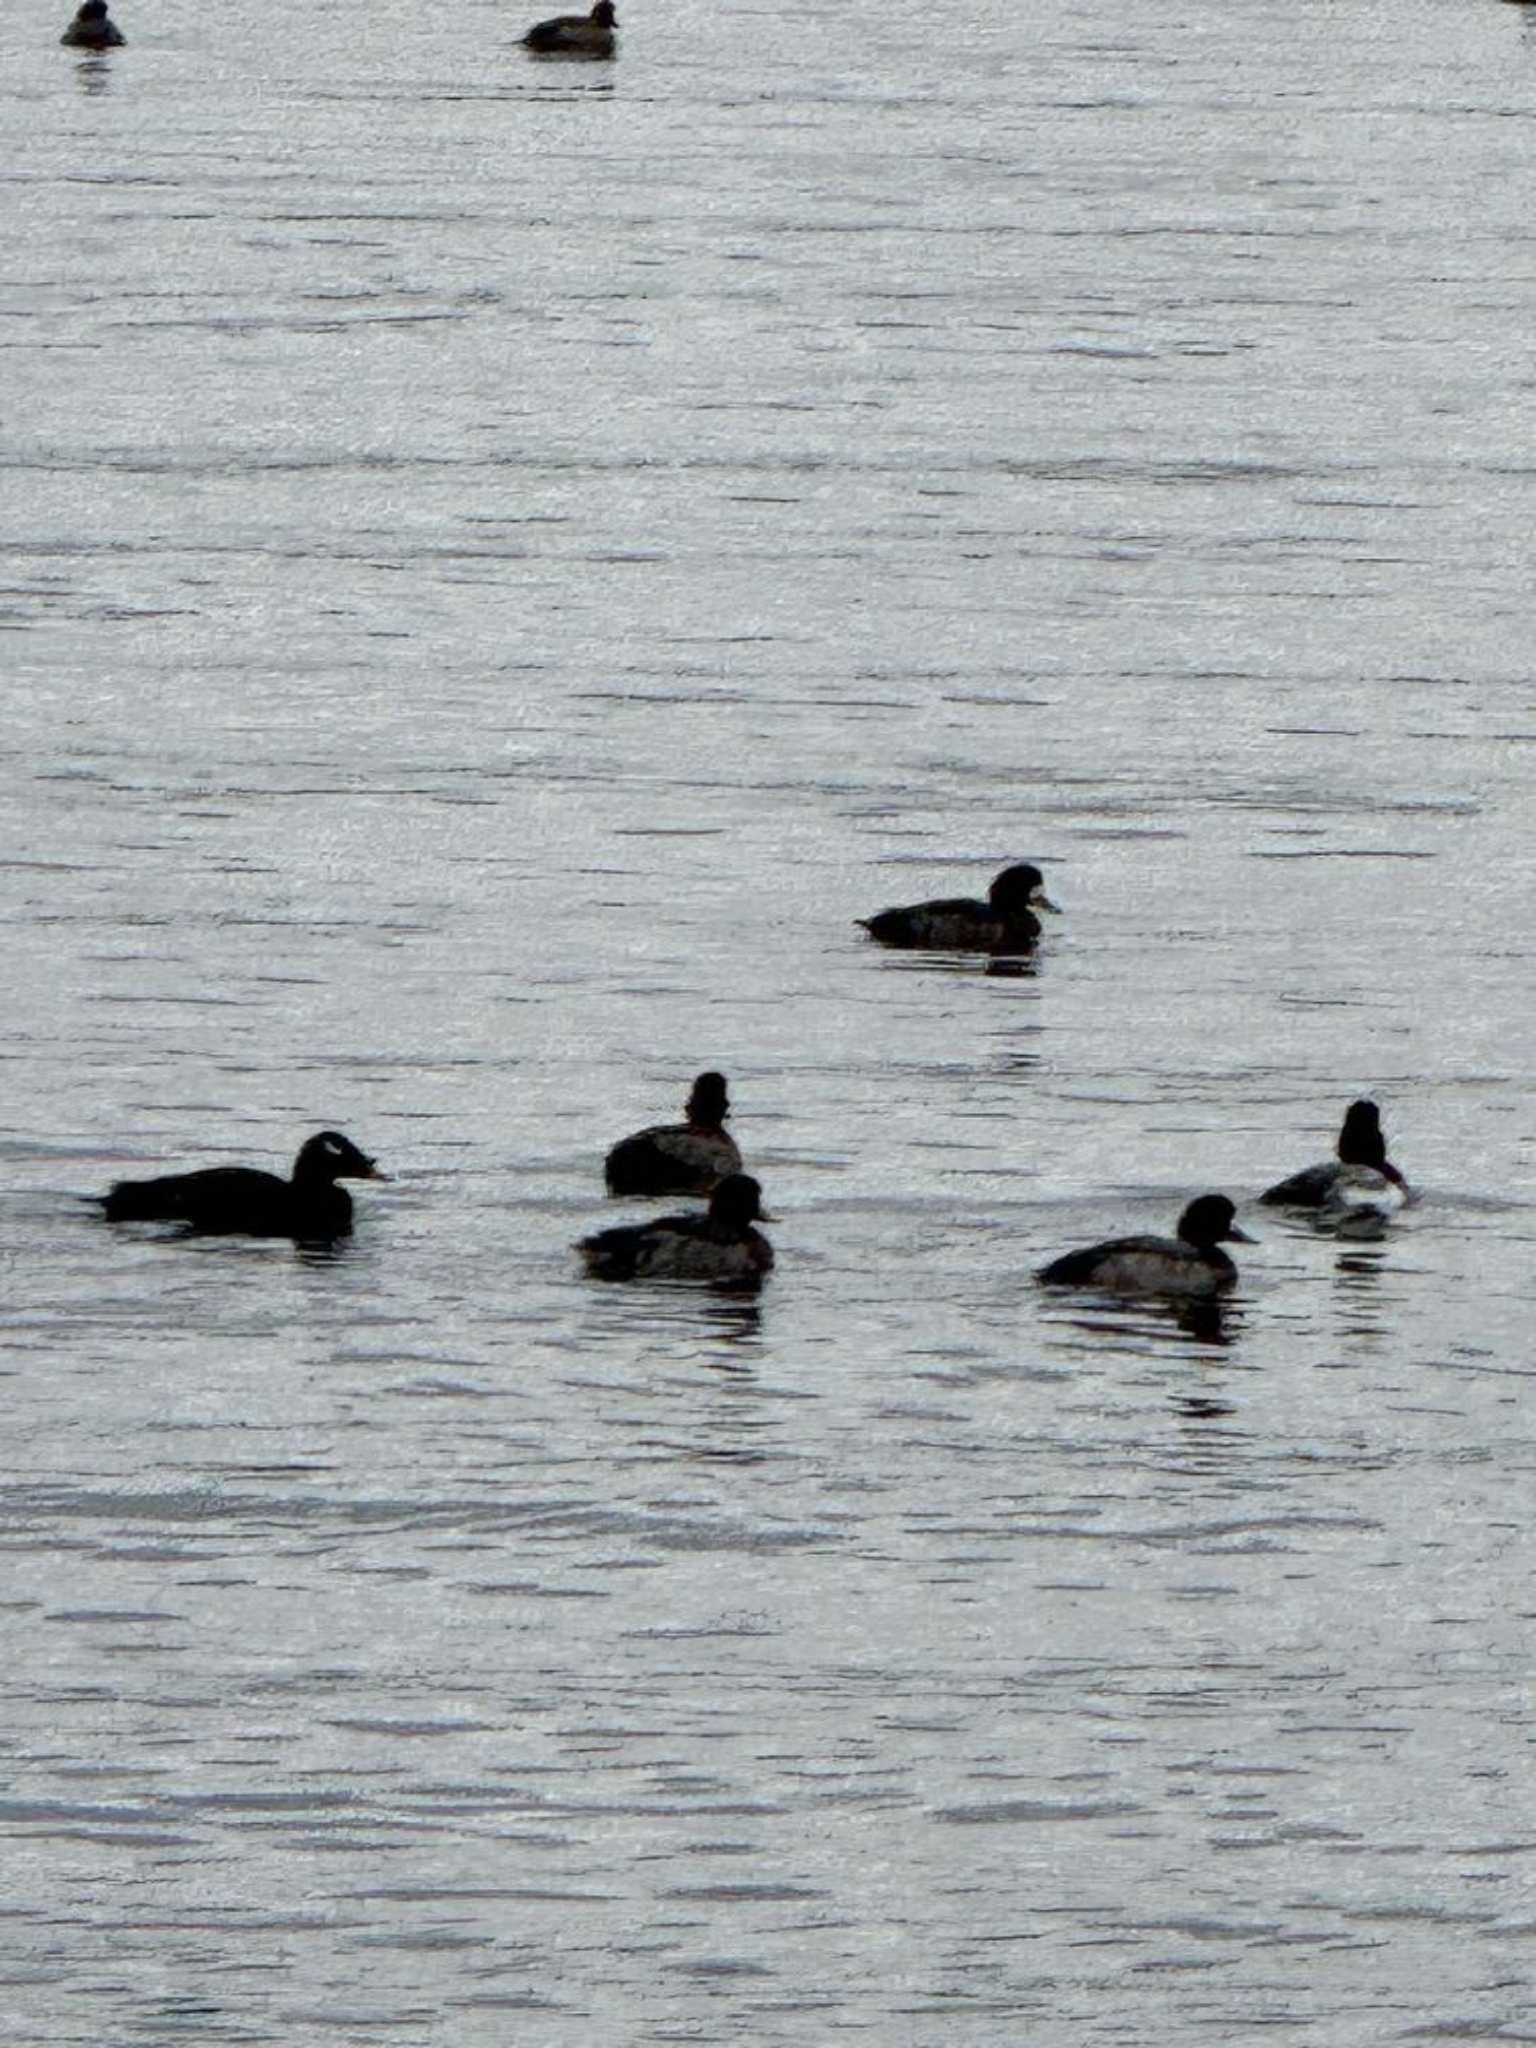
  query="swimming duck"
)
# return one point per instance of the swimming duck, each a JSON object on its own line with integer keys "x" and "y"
{"x": 243, "y": 1199}
{"x": 576, "y": 35}
{"x": 721, "y": 1245}
{"x": 1362, "y": 1176}
{"x": 1190, "y": 1264}
{"x": 1006, "y": 922}
{"x": 678, "y": 1159}
{"x": 92, "y": 29}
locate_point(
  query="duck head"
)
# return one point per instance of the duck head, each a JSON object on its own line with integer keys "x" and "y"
{"x": 708, "y": 1103}
{"x": 1360, "y": 1140}
{"x": 1018, "y": 889}
{"x": 737, "y": 1203}
{"x": 1209, "y": 1220}
{"x": 328, "y": 1156}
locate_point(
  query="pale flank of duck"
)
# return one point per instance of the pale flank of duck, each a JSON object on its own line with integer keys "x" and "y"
{"x": 1359, "y": 1150}
{"x": 1361, "y": 1198}
{"x": 1191, "y": 1264}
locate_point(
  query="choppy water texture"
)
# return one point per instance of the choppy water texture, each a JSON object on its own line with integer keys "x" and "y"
{"x": 504, "y": 562}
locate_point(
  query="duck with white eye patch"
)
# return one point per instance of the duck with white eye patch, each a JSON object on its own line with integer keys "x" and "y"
{"x": 244, "y": 1200}
{"x": 720, "y": 1244}
{"x": 1005, "y": 923}
{"x": 1190, "y": 1265}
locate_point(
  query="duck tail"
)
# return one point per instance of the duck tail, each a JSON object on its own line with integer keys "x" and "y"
{"x": 609, "y": 1254}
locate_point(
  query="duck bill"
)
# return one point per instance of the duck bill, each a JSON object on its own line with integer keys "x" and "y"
{"x": 372, "y": 1173}
{"x": 1241, "y": 1236}
{"x": 1040, "y": 901}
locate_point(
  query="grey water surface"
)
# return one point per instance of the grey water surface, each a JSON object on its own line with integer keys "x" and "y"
{"x": 504, "y": 561}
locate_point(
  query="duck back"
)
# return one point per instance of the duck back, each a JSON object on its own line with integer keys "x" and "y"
{"x": 671, "y": 1159}
{"x": 676, "y": 1248}
{"x": 576, "y": 35}
{"x": 954, "y": 924}
{"x": 721, "y": 1246}
{"x": 1144, "y": 1265}
{"x": 1308, "y": 1189}
{"x": 226, "y": 1199}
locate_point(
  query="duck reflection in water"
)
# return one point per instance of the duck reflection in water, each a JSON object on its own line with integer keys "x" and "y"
{"x": 321, "y": 1251}
{"x": 1200, "y": 1408}
{"x": 716, "y": 1329}
{"x": 1208, "y": 1319}
{"x": 1357, "y": 1275}
{"x": 732, "y": 1316}
{"x": 1213, "y": 1321}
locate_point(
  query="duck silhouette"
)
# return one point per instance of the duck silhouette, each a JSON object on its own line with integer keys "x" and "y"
{"x": 1006, "y": 922}
{"x": 243, "y": 1199}
{"x": 689, "y": 1158}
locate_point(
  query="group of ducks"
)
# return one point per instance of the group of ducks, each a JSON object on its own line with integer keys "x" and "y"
{"x": 1357, "y": 1190}
{"x": 722, "y": 1244}
{"x": 569, "y": 35}
{"x": 564, "y": 35}
{"x": 577, "y": 35}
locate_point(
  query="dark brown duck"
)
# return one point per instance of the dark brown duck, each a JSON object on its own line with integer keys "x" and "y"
{"x": 1005, "y": 923}
{"x": 93, "y": 29}
{"x": 576, "y": 35}
{"x": 721, "y": 1245}
{"x": 689, "y": 1158}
